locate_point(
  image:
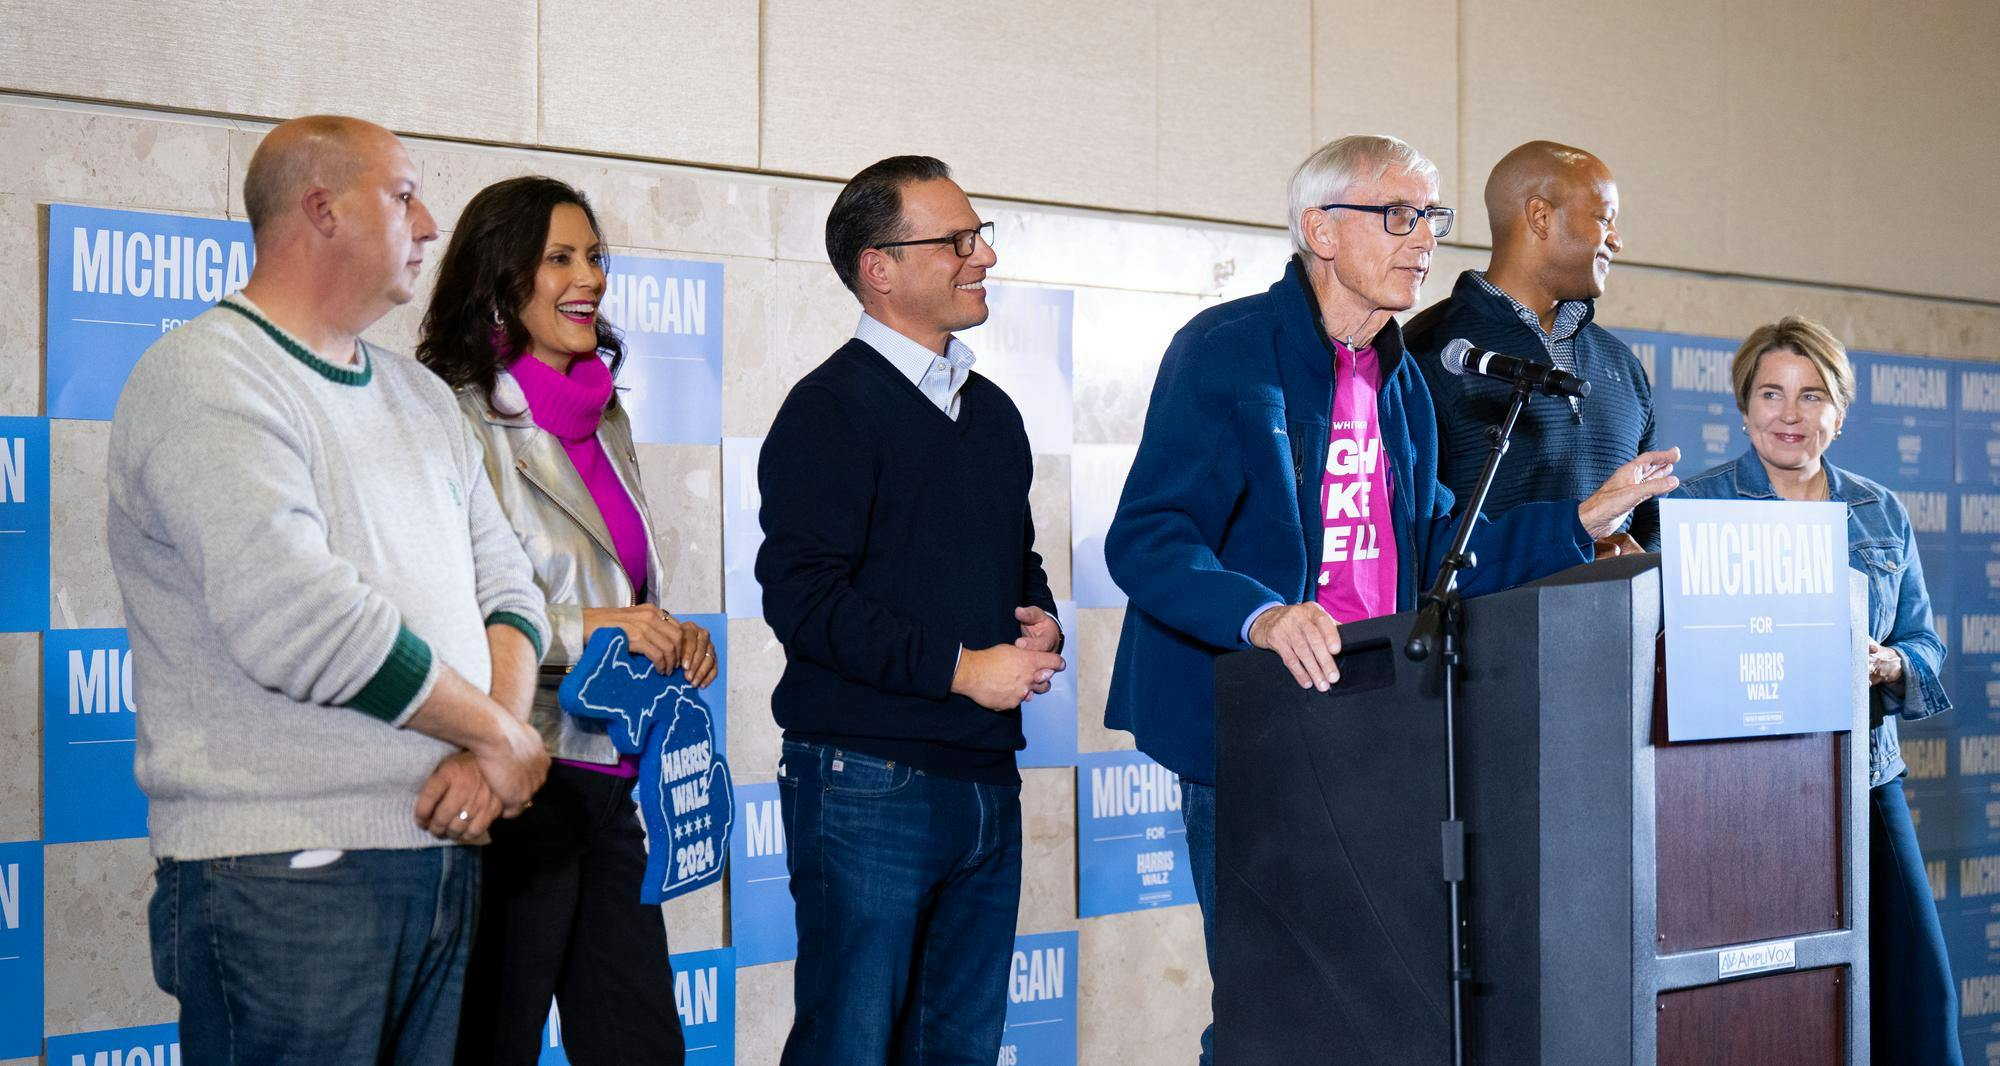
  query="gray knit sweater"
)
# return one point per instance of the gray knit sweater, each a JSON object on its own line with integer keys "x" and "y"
{"x": 299, "y": 547}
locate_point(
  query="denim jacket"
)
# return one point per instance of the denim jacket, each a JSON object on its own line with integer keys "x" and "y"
{"x": 1881, "y": 545}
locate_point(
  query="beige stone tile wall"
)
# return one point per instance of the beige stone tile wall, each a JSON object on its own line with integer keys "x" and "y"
{"x": 1137, "y": 277}
{"x": 1765, "y": 138}
{"x": 20, "y": 736}
{"x": 99, "y": 971}
{"x": 976, "y": 85}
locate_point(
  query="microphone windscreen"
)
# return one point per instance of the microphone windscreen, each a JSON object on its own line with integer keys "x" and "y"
{"x": 1454, "y": 355}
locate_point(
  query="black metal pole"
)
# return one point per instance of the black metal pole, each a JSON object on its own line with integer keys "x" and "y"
{"x": 1440, "y": 621}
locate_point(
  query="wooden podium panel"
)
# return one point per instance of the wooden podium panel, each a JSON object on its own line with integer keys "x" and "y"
{"x": 1800, "y": 1019}
{"x": 1748, "y": 839}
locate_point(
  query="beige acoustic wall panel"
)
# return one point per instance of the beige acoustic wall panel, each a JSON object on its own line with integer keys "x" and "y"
{"x": 1037, "y": 100}
{"x": 1839, "y": 142}
{"x": 1235, "y": 110}
{"x": 1639, "y": 84}
{"x": 663, "y": 81}
{"x": 1940, "y": 146}
{"x": 424, "y": 66}
{"x": 1785, "y": 173}
{"x": 1391, "y": 69}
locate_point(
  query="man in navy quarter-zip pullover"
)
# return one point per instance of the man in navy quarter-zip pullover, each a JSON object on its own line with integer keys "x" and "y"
{"x": 899, "y": 571}
{"x": 1554, "y": 213}
{"x": 1286, "y": 480}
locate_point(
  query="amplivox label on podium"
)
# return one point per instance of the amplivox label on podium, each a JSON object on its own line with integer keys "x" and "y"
{"x": 1757, "y": 632}
{"x": 1758, "y": 958}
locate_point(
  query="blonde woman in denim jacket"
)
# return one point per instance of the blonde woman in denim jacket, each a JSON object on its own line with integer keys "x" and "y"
{"x": 1794, "y": 384}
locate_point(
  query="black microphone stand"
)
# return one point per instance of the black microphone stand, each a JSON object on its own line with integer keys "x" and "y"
{"x": 1441, "y": 622}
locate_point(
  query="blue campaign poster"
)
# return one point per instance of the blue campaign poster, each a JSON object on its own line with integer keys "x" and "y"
{"x": 142, "y": 1045}
{"x": 1978, "y": 540}
{"x": 1931, "y": 510}
{"x": 1694, "y": 405}
{"x": 1969, "y": 911}
{"x": 1976, "y": 421}
{"x": 21, "y": 949}
{"x": 24, "y": 524}
{"x": 1973, "y": 654}
{"x": 89, "y": 729}
{"x": 742, "y": 533}
{"x": 705, "y": 995}
{"x": 760, "y": 884}
{"x": 1049, "y": 720}
{"x": 1042, "y": 982}
{"x": 1130, "y": 841}
{"x": 1901, "y": 429}
{"x": 670, "y": 312}
{"x": 552, "y": 1041}
{"x": 1755, "y": 597}
{"x": 1969, "y": 821}
{"x": 1969, "y": 595}
{"x": 1097, "y": 478}
{"x": 1025, "y": 348}
{"x": 1930, "y": 787}
{"x": 1979, "y": 1006}
{"x": 117, "y": 281}
{"x": 1934, "y": 813}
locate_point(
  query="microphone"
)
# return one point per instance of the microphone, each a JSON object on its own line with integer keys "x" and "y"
{"x": 1460, "y": 357}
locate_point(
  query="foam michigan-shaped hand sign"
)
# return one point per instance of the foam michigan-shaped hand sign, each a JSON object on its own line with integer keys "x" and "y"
{"x": 684, "y": 793}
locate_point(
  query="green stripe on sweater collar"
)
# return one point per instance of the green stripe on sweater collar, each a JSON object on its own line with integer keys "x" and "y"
{"x": 339, "y": 375}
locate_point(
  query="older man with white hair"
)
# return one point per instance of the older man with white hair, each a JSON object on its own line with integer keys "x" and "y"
{"x": 1287, "y": 478}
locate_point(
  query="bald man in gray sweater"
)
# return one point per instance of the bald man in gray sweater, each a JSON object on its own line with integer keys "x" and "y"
{"x": 334, "y": 633}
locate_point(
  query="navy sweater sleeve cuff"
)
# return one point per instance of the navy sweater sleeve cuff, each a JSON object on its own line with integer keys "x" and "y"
{"x": 936, "y": 665}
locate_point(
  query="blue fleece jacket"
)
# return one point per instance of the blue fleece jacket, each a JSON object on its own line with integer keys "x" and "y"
{"x": 1221, "y": 512}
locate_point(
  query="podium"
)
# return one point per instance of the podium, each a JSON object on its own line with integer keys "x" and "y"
{"x": 1627, "y": 900}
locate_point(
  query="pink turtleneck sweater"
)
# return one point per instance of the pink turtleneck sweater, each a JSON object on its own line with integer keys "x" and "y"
{"x": 568, "y": 407}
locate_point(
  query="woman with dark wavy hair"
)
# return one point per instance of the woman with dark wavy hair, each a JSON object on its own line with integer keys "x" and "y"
{"x": 513, "y": 326}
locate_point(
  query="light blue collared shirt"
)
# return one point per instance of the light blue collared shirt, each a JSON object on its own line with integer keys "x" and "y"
{"x": 939, "y": 378}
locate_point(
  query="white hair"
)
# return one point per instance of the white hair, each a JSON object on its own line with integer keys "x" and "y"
{"x": 1338, "y": 166}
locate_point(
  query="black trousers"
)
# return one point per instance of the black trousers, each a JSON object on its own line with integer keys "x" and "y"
{"x": 560, "y": 916}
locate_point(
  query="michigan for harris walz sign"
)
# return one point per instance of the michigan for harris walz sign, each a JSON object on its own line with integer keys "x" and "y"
{"x": 1758, "y": 637}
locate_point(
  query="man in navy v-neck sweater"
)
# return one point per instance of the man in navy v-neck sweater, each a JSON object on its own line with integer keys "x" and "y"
{"x": 899, "y": 571}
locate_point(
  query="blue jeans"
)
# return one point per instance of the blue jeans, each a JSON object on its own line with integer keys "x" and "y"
{"x": 357, "y": 961}
{"x": 1913, "y": 1004}
{"x": 905, "y": 887}
{"x": 1198, "y": 812}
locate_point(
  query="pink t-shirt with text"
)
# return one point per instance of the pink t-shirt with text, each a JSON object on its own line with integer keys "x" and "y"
{"x": 1357, "y": 573}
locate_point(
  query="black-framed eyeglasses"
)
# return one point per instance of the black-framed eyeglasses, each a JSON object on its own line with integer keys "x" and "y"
{"x": 961, "y": 242}
{"x": 1401, "y": 219}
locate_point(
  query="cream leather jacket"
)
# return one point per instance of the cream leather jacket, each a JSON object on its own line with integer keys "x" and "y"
{"x": 566, "y": 540}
